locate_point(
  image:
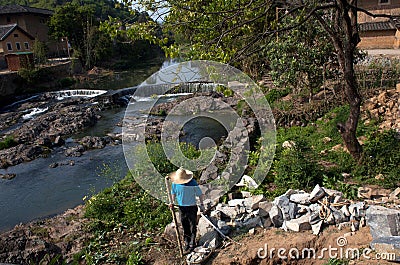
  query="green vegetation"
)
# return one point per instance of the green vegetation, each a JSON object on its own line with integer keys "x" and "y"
{"x": 7, "y": 143}
{"x": 122, "y": 210}
{"x": 126, "y": 209}
{"x": 310, "y": 158}
{"x": 337, "y": 262}
{"x": 32, "y": 75}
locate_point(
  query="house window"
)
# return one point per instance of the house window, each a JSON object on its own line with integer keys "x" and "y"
{"x": 26, "y": 45}
{"x": 16, "y": 35}
{"x": 384, "y": 2}
{"x": 18, "y": 46}
{"x": 9, "y": 46}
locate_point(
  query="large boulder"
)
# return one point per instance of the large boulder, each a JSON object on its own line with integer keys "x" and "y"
{"x": 383, "y": 222}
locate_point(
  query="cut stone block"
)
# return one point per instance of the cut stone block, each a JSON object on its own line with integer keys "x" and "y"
{"x": 230, "y": 212}
{"x": 383, "y": 222}
{"x": 317, "y": 193}
{"x": 357, "y": 209}
{"x": 264, "y": 208}
{"x": 203, "y": 227}
{"x": 256, "y": 200}
{"x": 299, "y": 224}
{"x": 394, "y": 194}
{"x": 300, "y": 198}
{"x": 266, "y": 222}
{"x": 276, "y": 216}
{"x": 345, "y": 210}
{"x": 316, "y": 228}
{"x": 282, "y": 202}
{"x": 389, "y": 246}
{"x": 235, "y": 202}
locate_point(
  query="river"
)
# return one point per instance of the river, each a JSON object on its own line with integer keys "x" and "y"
{"x": 40, "y": 191}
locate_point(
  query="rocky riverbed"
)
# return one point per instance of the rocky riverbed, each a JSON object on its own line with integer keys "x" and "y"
{"x": 39, "y": 126}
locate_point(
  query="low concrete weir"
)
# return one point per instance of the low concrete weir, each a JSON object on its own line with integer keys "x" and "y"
{"x": 78, "y": 93}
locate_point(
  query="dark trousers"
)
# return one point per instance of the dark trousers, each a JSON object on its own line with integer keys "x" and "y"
{"x": 189, "y": 223}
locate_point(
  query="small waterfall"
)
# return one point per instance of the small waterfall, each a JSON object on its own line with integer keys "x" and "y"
{"x": 77, "y": 93}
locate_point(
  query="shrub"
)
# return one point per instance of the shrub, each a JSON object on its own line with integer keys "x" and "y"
{"x": 67, "y": 82}
{"x": 275, "y": 94}
{"x": 295, "y": 170}
{"x": 381, "y": 156}
{"x": 7, "y": 143}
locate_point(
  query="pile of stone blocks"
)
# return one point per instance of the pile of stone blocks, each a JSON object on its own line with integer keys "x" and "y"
{"x": 296, "y": 210}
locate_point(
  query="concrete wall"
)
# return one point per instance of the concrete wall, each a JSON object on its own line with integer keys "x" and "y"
{"x": 10, "y": 82}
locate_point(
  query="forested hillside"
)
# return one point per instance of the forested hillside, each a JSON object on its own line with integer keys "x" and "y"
{"x": 103, "y": 8}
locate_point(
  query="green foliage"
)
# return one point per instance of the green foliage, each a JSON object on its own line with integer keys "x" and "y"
{"x": 79, "y": 24}
{"x": 381, "y": 156}
{"x": 332, "y": 261}
{"x": 298, "y": 56}
{"x": 275, "y": 94}
{"x": 135, "y": 259}
{"x": 224, "y": 90}
{"x": 160, "y": 161}
{"x": 336, "y": 183}
{"x": 40, "y": 52}
{"x": 32, "y": 76}
{"x": 7, "y": 143}
{"x": 295, "y": 170}
{"x": 137, "y": 214}
{"x": 103, "y": 8}
{"x": 67, "y": 82}
{"x": 124, "y": 206}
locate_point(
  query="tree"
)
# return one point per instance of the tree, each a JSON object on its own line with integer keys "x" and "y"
{"x": 80, "y": 26}
{"x": 238, "y": 31}
{"x": 297, "y": 59}
{"x": 40, "y": 52}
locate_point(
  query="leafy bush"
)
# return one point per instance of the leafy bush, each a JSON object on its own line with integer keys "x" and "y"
{"x": 275, "y": 94}
{"x": 7, "y": 143}
{"x": 224, "y": 90}
{"x": 381, "y": 156}
{"x": 295, "y": 170}
{"x": 32, "y": 76}
{"x": 67, "y": 82}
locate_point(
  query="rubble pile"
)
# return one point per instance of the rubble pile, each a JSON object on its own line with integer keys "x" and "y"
{"x": 297, "y": 210}
{"x": 384, "y": 107}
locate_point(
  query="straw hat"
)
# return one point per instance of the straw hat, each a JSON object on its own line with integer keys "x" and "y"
{"x": 181, "y": 176}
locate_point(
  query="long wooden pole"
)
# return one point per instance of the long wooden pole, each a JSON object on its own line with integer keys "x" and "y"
{"x": 174, "y": 216}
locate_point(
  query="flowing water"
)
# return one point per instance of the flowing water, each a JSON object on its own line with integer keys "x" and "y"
{"x": 39, "y": 191}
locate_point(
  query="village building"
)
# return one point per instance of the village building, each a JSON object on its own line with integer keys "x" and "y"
{"x": 14, "y": 41}
{"x": 21, "y": 26}
{"x": 380, "y": 32}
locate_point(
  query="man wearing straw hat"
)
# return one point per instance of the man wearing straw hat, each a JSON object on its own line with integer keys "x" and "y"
{"x": 185, "y": 190}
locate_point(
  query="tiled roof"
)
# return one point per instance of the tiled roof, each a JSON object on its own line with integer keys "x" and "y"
{"x": 15, "y": 9}
{"x": 6, "y": 30}
{"x": 376, "y": 26}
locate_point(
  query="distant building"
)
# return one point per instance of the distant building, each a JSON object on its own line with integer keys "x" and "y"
{"x": 379, "y": 33}
{"x": 13, "y": 39}
{"x": 34, "y": 22}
